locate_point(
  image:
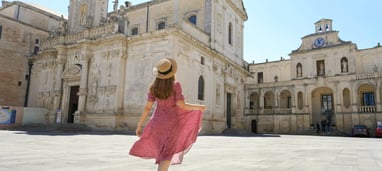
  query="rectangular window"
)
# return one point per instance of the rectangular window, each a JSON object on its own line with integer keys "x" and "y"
{"x": 202, "y": 60}
{"x": 260, "y": 77}
{"x": 36, "y": 49}
{"x": 327, "y": 102}
{"x": 368, "y": 99}
{"x": 289, "y": 102}
{"x": 1, "y": 29}
{"x": 134, "y": 31}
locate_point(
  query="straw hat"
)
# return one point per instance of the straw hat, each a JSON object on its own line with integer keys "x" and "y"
{"x": 165, "y": 68}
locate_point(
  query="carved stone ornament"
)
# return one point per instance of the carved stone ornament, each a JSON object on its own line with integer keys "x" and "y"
{"x": 73, "y": 71}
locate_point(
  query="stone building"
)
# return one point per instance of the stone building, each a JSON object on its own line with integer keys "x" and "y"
{"x": 22, "y": 27}
{"x": 96, "y": 68}
{"x": 326, "y": 78}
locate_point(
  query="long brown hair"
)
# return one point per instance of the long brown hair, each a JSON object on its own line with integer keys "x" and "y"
{"x": 162, "y": 88}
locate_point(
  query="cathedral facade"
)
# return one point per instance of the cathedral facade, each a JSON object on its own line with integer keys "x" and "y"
{"x": 96, "y": 67}
{"x": 325, "y": 80}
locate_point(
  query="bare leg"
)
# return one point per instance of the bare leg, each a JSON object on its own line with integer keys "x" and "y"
{"x": 164, "y": 165}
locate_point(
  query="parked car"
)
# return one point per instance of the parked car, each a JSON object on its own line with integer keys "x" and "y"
{"x": 360, "y": 130}
{"x": 378, "y": 131}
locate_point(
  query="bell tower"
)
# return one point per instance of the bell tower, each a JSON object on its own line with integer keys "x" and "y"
{"x": 323, "y": 25}
{"x": 85, "y": 14}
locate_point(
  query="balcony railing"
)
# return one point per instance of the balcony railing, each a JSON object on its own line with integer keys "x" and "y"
{"x": 268, "y": 111}
{"x": 367, "y": 109}
{"x": 368, "y": 76}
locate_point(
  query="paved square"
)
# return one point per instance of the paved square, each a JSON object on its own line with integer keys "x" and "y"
{"x": 30, "y": 151}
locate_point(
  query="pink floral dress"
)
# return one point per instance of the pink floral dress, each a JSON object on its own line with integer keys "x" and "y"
{"x": 170, "y": 132}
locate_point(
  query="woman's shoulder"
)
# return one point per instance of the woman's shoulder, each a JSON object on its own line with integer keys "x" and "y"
{"x": 176, "y": 83}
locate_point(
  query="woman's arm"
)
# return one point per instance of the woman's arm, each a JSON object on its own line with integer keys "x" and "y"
{"x": 144, "y": 114}
{"x": 187, "y": 106}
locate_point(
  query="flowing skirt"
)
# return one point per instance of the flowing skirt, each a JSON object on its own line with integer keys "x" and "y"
{"x": 168, "y": 136}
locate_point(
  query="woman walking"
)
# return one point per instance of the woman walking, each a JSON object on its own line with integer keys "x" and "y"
{"x": 174, "y": 125}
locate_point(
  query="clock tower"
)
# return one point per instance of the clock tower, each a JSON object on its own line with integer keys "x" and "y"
{"x": 324, "y": 25}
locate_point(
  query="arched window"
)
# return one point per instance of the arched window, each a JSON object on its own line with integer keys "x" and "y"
{"x": 134, "y": 31}
{"x": 192, "y": 19}
{"x": 201, "y": 88}
{"x": 230, "y": 33}
{"x": 161, "y": 25}
{"x": 344, "y": 65}
{"x": 299, "y": 70}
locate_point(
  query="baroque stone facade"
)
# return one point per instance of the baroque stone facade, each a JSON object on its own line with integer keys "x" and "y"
{"x": 97, "y": 68}
{"x": 324, "y": 74}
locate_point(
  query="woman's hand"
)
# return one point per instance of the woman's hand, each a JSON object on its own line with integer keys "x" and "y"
{"x": 138, "y": 131}
{"x": 203, "y": 108}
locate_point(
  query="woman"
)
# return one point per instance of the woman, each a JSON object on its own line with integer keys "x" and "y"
{"x": 174, "y": 125}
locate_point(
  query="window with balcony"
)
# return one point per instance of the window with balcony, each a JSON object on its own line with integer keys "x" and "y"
{"x": 368, "y": 99}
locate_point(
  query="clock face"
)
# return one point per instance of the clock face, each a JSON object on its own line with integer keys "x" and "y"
{"x": 319, "y": 42}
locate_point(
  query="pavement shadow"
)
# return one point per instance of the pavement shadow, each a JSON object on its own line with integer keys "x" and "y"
{"x": 244, "y": 135}
{"x": 62, "y": 133}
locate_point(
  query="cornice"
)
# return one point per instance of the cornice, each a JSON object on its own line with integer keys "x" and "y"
{"x": 242, "y": 13}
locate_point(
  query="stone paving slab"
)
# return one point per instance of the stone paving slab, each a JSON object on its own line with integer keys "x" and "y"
{"x": 40, "y": 151}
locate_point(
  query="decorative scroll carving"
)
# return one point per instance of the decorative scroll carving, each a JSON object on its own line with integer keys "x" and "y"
{"x": 72, "y": 72}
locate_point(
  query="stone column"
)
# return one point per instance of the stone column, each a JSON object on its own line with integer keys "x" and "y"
{"x": 83, "y": 92}
{"x": 378, "y": 97}
{"x": 57, "y": 90}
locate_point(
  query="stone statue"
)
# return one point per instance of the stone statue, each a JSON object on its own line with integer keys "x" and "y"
{"x": 299, "y": 71}
{"x": 321, "y": 70}
{"x": 83, "y": 14}
{"x": 344, "y": 65}
{"x": 63, "y": 26}
{"x": 115, "y": 7}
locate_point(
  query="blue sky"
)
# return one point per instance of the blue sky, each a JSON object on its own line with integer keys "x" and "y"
{"x": 275, "y": 27}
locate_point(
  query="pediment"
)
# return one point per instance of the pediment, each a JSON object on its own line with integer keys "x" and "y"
{"x": 318, "y": 41}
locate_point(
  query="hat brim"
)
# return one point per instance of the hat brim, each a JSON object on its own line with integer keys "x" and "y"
{"x": 174, "y": 68}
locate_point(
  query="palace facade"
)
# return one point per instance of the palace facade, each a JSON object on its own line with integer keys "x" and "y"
{"x": 324, "y": 75}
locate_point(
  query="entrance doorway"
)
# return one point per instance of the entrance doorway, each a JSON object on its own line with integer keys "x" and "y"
{"x": 322, "y": 103}
{"x": 73, "y": 103}
{"x": 327, "y": 102}
{"x": 229, "y": 110}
